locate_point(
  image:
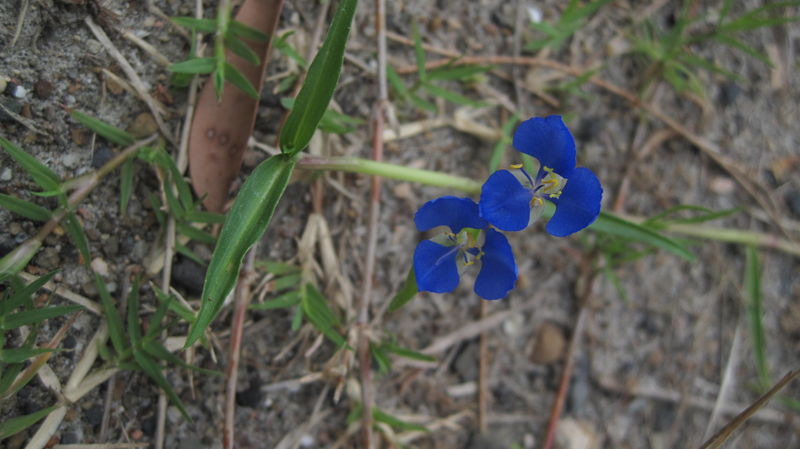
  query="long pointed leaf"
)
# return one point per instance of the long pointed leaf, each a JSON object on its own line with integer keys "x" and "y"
{"x": 41, "y": 174}
{"x": 15, "y": 425}
{"x": 317, "y": 91}
{"x": 246, "y": 223}
{"x": 24, "y": 208}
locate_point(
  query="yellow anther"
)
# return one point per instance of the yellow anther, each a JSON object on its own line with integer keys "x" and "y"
{"x": 536, "y": 201}
{"x": 515, "y": 166}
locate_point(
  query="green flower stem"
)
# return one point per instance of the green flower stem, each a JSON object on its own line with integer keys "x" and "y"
{"x": 468, "y": 186}
{"x": 390, "y": 171}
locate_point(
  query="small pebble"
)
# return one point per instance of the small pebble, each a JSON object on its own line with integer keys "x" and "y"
{"x": 19, "y": 92}
{"x": 143, "y": 125}
{"x": 48, "y": 259}
{"x": 12, "y": 105}
{"x": 252, "y": 397}
{"x": 94, "y": 415}
{"x": 6, "y": 174}
{"x": 42, "y": 89}
{"x": 102, "y": 154}
{"x": 100, "y": 267}
{"x": 71, "y": 160}
{"x": 549, "y": 345}
{"x": 93, "y": 46}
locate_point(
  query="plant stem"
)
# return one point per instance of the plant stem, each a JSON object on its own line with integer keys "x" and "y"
{"x": 390, "y": 171}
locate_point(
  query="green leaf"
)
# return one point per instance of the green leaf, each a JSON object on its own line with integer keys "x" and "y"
{"x": 43, "y": 176}
{"x": 237, "y": 78}
{"x": 78, "y": 237}
{"x": 332, "y": 121}
{"x": 26, "y": 317}
{"x": 451, "y": 96}
{"x": 115, "y": 328}
{"x": 200, "y": 216}
{"x": 246, "y": 223}
{"x": 183, "y": 249}
{"x": 321, "y": 80}
{"x": 19, "y": 355}
{"x": 457, "y": 73}
{"x": 406, "y": 293}
{"x": 201, "y": 25}
{"x": 195, "y": 234}
{"x": 158, "y": 351}
{"x": 152, "y": 369}
{"x": 112, "y": 133}
{"x": 13, "y": 262}
{"x": 282, "y": 44}
{"x": 288, "y": 281}
{"x": 24, "y": 208}
{"x": 755, "y": 314}
{"x": 408, "y": 353}
{"x": 125, "y": 185}
{"x": 380, "y": 356}
{"x": 620, "y": 227}
{"x": 239, "y": 47}
{"x": 23, "y": 295}
{"x": 285, "y": 300}
{"x": 395, "y": 422}
{"x": 18, "y": 424}
{"x": 297, "y": 319}
{"x": 194, "y": 66}
{"x": 243, "y": 31}
{"x": 316, "y": 309}
{"x": 505, "y": 140}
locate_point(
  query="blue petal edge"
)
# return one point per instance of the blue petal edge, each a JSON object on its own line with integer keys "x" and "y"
{"x": 453, "y": 212}
{"x": 579, "y": 204}
{"x": 547, "y": 139}
{"x": 435, "y": 267}
{"x": 498, "y": 269}
{"x": 505, "y": 203}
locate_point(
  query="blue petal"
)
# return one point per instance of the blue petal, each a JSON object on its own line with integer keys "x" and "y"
{"x": 456, "y": 213}
{"x": 548, "y": 140}
{"x": 505, "y": 202}
{"x": 579, "y": 204}
{"x": 435, "y": 267}
{"x": 498, "y": 270}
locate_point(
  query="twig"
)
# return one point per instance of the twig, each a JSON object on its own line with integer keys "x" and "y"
{"x": 483, "y": 375}
{"x": 379, "y": 112}
{"x": 23, "y": 11}
{"x": 727, "y": 384}
{"x": 243, "y": 296}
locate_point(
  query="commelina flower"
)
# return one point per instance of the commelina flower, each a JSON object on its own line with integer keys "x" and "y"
{"x": 438, "y": 262}
{"x": 510, "y": 200}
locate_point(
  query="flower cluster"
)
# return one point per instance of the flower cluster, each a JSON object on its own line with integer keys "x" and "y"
{"x": 510, "y": 200}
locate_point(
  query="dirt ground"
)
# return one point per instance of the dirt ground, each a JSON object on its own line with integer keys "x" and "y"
{"x": 649, "y": 366}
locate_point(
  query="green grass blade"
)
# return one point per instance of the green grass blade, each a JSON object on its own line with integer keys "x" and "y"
{"x": 125, "y": 185}
{"x": 200, "y": 216}
{"x": 19, "y": 355}
{"x": 285, "y": 300}
{"x": 282, "y": 44}
{"x": 243, "y": 31}
{"x": 23, "y": 295}
{"x": 457, "y": 73}
{"x": 619, "y": 227}
{"x": 237, "y": 78}
{"x": 239, "y": 47}
{"x": 194, "y": 66}
{"x": 406, "y": 293}
{"x": 153, "y": 370}
{"x": 43, "y": 176}
{"x": 284, "y": 282}
{"x": 451, "y": 96}
{"x": 78, "y": 237}
{"x": 395, "y": 422}
{"x": 15, "y": 425}
{"x": 26, "y": 317}
{"x": 158, "y": 351}
{"x": 196, "y": 234}
{"x": 24, "y": 208}
{"x": 201, "y": 25}
{"x": 321, "y": 80}
{"x": 505, "y": 140}
{"x": 755, "y": 314}
{"x": 112, "y": 133}
{"x": 246, "y": 223}
{"x": 115, "y": 328}
{"x": 408, "y": 353}
{"x": 277, "y": 268}
{"x": 316, "y": 309}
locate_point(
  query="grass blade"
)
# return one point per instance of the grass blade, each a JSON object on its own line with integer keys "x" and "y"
{"x": 125, "y": 185}
{"x": 43, "y": 176}
{"x": 201, "y": 25}
{"x": 285, "y": 300}
{"x": 620, "y": 227}
{"x": 321, "y": 80}
{"x": 316, "y": 309}
{"x": 755, "y": 313}
{"x": 26, "y": 317}
{"x": 15, "y": 425}
{"x": 237, "y": 78}
{"x": 24, "y": 208}
{"x": 246, "y": 223}
{"x": 75, "y": 231}
{"x": 112, "y": 133}
{"x": 194, "y": 66}
{"x": 406, "y": 293}
{"x": 115, "y": 329}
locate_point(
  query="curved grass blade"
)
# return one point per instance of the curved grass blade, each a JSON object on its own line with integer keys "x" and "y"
{"x": 755, "y": 314}
{"x": 237, "y": 78}
{"x": 246, "y": 223}
{"x": 194, "y": 66}
{"x": 243, "y": 31}
{"x": 317, "y": 91}
{"x": 35, "y": 316}
{"x": 619, "y": 227}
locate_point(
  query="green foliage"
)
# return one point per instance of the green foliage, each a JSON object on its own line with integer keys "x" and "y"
{"x": 406, "y": 293}
{"x": 331, "y": 122}
{"x": 670, "y": 51}
{"x": 41, "y": 174}
{"x": 381, "y": 353}
{"x": 229, "y": 35}
{"x": 448, "y": 72}
{"x": 248, "y": 219}
{"x": 632, "y": 232}
{"x": 755, "y": 315}
{"x": 24, "y": 208}
{"x": 506, "y": 139}
{"x": 323, "y": 75}
{"x": 110, "y": 132}
{"x": 319, "y": 314}
{"x": 571, "y": 20}
{"x": 18, "y": 424}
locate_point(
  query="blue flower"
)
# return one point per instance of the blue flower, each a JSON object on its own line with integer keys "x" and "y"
{"x": 438, "y": 262}
{"x": 510, "y": 200}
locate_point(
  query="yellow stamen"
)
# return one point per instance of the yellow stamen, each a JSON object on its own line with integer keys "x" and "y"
{"x": 515, "y": 166}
